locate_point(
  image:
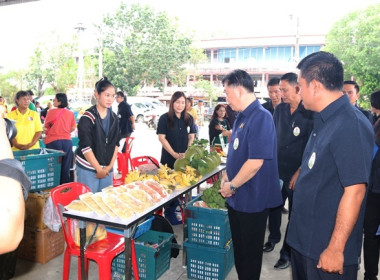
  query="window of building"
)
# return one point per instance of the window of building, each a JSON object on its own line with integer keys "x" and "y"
{"x": 249, "y": 54}
{"x": 306, "y": 50}
{"x": 278, "y": 54}
{"x": 226, "y": 55}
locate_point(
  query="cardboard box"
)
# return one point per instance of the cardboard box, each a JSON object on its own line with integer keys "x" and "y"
{"x": 41, "y": 245}
{"x": 34, "y": 207}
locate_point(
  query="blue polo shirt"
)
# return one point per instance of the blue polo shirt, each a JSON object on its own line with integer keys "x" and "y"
{"x": 338, "y": 155}
{"x": 293, "y": 131}
{"x": 254, "y": 137}
{"x": 177, "y": 136}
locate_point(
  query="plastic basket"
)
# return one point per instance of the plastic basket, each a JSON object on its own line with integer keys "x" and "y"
{"x": 44, "y": 170}
{"x": 152, "y": 261}
{"x": 207, "y": 226}
{"x": 141, "y": 228}
{"x": 211, "y": 263}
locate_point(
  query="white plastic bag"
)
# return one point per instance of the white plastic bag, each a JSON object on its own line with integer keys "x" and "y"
{"x": 51, "y": 216}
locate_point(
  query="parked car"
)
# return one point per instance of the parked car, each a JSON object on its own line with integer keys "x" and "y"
{"x": 141, "y": 112}
{"x": 155, "y": 106}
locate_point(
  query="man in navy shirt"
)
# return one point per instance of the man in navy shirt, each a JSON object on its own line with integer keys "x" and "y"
{"x": 274, "y": 95}
{"x": 293, "y": 127}
{"x": 251, "y": 183}
{"x": 326, "y": 225}
{"x": 351, "y": 89}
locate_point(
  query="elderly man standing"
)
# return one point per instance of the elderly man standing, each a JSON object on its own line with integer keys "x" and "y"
{"x": 251, "y": 183}
{"x": 326, "y": 225}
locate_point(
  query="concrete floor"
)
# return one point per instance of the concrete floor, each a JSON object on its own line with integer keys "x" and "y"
{"x": 26, "y": 270}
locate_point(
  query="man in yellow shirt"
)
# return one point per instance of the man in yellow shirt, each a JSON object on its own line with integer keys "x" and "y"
{"x": 28, "y": 124}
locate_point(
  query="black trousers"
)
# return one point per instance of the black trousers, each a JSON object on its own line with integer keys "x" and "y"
{"x": 274, "y": 222}
{"x": 66, "y": 146}
{"x": 248, "y": 233}
{"x": 304, "y": 268}
{"x": 371, "y": 245}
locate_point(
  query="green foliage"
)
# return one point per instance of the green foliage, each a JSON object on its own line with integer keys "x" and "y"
{"x": 213, "y": 198}
{"x": 53, "y": 64}
{"x": 10, "y": 84}
{"x": 355, "y": 40}
{"x": 141, "y": 46}
{"x": 211, "y": 91}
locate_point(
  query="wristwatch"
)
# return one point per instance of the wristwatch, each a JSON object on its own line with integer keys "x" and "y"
{"x": 233, "y": 188}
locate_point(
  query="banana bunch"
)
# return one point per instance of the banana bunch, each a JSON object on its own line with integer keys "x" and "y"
{"x": 132, "y": 176}
{"x": 187, "y": 178}
{"x": 167, "y": 177}
{"x": 163, "y": 172}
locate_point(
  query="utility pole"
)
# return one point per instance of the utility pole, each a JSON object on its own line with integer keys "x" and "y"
{"x": 297, "y": 41}
{"x": 80, "y": 74}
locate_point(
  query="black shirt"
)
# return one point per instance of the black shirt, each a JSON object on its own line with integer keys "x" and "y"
{"x": 124, "y": 113}
{"x": 177, "y": 136}
{"x": 293, "y": 131}
{"x": 269, "y": 106}
{"x": 366, "y": 113}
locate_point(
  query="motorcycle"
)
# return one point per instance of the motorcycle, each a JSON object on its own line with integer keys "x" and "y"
{"x": 153, "y": 122}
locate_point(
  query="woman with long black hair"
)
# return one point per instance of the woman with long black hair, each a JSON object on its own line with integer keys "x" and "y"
{"x": 175, "y": 130}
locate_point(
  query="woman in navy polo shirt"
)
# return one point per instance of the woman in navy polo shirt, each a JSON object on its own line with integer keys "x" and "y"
{"x": 175, "y": 130}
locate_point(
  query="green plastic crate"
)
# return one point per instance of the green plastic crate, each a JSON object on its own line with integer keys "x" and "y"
{"x": 211, "y": 263}
{"x": 152, "y": 262}
{"x": 207, "y": 226}
{"x": 44, "y": 170}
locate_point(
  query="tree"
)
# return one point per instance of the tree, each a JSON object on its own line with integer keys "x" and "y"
{"x": 52, "y": 64}
{"x": 10, "y": 83}
{"x": 141, "y": 46}
{"x": 355, "y": 40}
{"x": 211, "y": 91}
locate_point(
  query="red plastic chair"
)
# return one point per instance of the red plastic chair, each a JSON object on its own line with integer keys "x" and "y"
{"x": 124, "y": 163}
{"x": 137, "y": 161}
{"x": 102, "y": 252}
{"x": 128, "y": 150}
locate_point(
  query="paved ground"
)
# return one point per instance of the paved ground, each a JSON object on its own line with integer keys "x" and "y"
{"x": 146, "y": 143}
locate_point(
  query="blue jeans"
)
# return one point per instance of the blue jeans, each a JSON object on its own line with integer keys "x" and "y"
{"x": 88, "y": 178}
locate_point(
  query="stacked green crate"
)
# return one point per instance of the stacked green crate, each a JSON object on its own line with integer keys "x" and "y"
{"x": 209, "y": 250}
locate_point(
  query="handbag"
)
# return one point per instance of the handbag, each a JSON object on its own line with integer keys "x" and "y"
{"x": 49, "y": 125}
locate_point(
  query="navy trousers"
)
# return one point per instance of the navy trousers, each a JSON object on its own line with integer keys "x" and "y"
{"x": 67, "y": 159}
{"x": 304, "y": 268}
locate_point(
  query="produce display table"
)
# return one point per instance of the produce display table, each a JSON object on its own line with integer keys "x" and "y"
{"x": 129, "y": 225}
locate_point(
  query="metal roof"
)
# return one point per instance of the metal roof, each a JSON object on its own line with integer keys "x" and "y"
{"x": 11, "y": 2}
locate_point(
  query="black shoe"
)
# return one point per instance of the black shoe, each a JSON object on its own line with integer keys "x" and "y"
{"x": 268, "y": 247}
{"x": 282, "y": 264}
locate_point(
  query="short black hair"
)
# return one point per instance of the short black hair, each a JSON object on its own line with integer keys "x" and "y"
{"x": 121, "y": 94}
{"x": 62, "y": 97}
{"x": 290, "y": 77}
{"x": 352, "y": 83}
{"x": 30, "y": 92}
{"x": 20, "y": 94}
{"x": 323, "y": 67}
{"x": 375, "y": 99}
{"x": 273, "y": 82}
{"x": 239, "y": 78}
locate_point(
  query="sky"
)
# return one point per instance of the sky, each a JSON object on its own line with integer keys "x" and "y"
{"x": 22, "y": 26}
